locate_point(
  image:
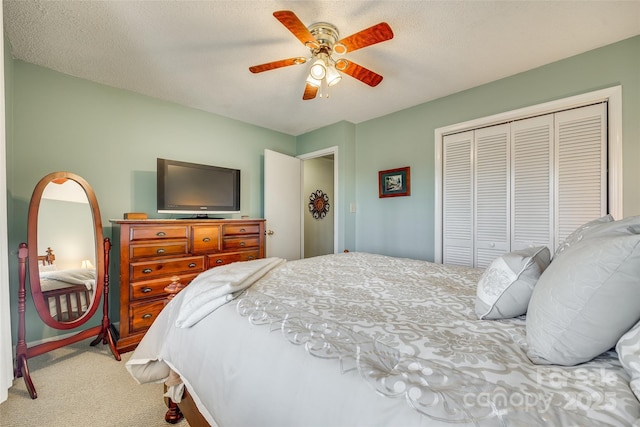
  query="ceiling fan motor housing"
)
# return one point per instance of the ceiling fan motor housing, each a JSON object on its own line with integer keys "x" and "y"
{"x": 326, "y": 34}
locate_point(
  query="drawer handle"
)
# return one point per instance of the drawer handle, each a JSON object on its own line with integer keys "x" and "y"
{"x": 147, "y": 270}
{"x": 242, "y": 243}
{"x": 206, "y": 239}
{"x": 250, "y": 257}
{"x": 192, "y": 265}
{"x": 219, "y": 261}
{"x": 161, "y": 251}
{"x": 147, "y": 316}
{"x": 242, "y": 230}
{"x": 146, "y": 290}
{"x": 161, "y": 234}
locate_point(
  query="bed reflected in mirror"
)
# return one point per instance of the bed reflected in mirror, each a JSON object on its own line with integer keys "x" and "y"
{"x": 67, "y": 250}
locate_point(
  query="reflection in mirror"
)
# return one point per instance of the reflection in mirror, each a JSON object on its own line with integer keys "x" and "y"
{"x": 66, "y": 247}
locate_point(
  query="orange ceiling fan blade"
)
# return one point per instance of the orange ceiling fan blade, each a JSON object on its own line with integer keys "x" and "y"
{"x": 277, "y": 64}
{"x": 297, "y": 28}
{"x": 359, "y": 72}
{"x": 310, "y": 92}
{"x": 372, "y": 35}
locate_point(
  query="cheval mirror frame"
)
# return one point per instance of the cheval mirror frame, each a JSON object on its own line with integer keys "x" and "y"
{"x": 101, "y": 287}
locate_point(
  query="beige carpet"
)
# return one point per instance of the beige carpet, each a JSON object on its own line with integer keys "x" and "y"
{"x": 81, "y": 386}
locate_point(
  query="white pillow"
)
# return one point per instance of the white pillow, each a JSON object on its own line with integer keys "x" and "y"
{"x": 506, "y": 285}
{"x": 585, "y": 300}
{"x": 628, "y": 349}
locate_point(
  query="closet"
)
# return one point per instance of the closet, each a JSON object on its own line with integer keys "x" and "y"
{"x": 528, "y": 182}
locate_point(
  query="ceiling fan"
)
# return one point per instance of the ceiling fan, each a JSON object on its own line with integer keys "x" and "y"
{"x": 323, "y": 41}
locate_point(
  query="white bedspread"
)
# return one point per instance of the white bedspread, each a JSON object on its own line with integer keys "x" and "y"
{"x": 379, "y": 341}
{"x": 61, "y": 278}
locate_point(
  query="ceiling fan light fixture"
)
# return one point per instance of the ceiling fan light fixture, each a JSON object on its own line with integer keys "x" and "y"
{"x": 333, "y": 77}
{"x": 313, "y": 81}
{"x": 318, "y": 70}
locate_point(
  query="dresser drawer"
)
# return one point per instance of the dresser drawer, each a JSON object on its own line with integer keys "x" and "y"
{"x": 166, "y": 267}
{"x": 158, "y": 232}
{"x": 237, "y": 243}
{"x": 222, "y": 259}
{"x": 156, "y": 249}
{"x": 230, "y": 229}
{"x": 155, "y": 288}
{"x": 142, "y": 315}
{"x": 205, "y": 238}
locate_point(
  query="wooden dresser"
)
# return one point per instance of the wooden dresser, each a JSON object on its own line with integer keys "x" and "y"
{"x": 156, "y": 253}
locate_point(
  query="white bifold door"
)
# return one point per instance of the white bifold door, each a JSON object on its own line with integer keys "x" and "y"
{"x": 530, "y": 182}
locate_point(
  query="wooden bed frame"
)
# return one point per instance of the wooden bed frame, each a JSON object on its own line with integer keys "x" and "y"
{"x": 48, "y": 259}
{"x": 66, "y": 294}
{"x": 185, "y": 409}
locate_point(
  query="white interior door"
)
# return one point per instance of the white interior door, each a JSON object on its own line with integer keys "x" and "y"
{"x": 282, "y": 205}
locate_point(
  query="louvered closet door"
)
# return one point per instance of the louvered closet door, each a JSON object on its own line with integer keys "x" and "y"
{"x": 581, "y": 169}
{"x": 457, "y": 215}
{"x": 532, "y": 186}
{"x": 492, "y": 210}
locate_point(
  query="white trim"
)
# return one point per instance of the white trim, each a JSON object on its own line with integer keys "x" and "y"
{"x": 614, "y": 97}
{"x": 6, "y": 359}
{"x": 336, "y": 220}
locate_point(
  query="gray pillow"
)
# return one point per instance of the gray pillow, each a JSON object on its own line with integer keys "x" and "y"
{"x": 628, "y": 349}
{"x": 506, "y": 285}
{"x": 585, "y": 300}
{"x": 580, "y": 232}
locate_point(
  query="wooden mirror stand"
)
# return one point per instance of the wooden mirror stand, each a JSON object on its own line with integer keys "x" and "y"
{"x": 75, "y": 301}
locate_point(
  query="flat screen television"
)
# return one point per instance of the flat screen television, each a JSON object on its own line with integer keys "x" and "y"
{"x": 190, "y": 188}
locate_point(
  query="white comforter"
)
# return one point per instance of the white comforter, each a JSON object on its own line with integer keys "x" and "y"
{"x": 381, "y": 341}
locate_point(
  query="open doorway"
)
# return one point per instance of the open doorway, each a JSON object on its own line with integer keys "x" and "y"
{"x": 286, "y": 204}
{"x": 320, "y": 186}
{"x": 319, "y": 210}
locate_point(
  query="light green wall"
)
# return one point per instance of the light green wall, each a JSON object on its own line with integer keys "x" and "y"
{"x": 404, "y": 226}
{"x": 112, "y": 138}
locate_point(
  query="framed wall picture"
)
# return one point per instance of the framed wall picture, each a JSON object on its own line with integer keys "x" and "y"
{"x": 394, "y": 182}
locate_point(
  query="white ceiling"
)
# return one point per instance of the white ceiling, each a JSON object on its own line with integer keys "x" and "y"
{"x": 197, "y": 53}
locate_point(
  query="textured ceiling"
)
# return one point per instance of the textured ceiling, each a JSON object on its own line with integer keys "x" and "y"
{"x": 197, "y": 53}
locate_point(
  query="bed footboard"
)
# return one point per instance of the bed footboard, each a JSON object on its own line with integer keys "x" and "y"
{"x": 70, "y": 302}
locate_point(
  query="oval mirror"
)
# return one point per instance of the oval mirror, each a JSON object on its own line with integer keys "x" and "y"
{"x": 65, "y": 238}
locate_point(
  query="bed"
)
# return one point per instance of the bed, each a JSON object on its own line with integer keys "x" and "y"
{"x": 67, "y": 292}
{"x": 359, "y": 339}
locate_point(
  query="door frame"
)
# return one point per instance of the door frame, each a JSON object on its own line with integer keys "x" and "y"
{"x": 335, "y": 204}
{"x": 612, "y": 95}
